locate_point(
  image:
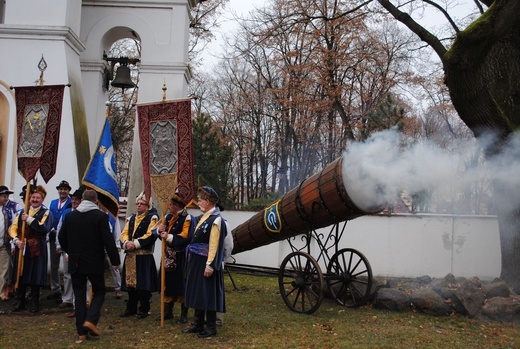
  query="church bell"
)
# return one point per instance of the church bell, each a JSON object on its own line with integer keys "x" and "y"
{"x": 123, "y": 79}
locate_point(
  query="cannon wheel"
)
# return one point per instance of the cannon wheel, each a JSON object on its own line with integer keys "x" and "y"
{"x": 349, "y": 278}
{"x": 301, "y": 282}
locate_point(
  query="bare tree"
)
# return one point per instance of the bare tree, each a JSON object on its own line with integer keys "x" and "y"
{"x": 298, "y": 83}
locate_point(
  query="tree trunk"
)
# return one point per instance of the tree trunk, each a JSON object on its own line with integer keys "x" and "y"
{"x": 483, "y": 75}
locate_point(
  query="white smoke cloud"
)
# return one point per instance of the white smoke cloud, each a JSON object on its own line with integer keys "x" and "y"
{"x": 379, "y": 170}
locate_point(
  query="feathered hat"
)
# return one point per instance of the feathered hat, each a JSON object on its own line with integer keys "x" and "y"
{"x": 142, "y": 197}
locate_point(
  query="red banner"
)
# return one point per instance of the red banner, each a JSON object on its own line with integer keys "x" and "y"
{"x": 38, "y": 121}
{"x": 166, "y": 137}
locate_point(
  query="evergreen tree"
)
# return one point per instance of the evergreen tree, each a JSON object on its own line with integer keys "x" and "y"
{"x": 211, "y": 157}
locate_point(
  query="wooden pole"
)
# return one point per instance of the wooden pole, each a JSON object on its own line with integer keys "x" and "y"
{"x": 19, "y": 270}
{"x": 163, "y": 258}
{"x": 163, "y": 276}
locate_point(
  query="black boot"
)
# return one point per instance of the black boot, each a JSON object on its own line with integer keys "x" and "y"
{"x": 198, "y": 323}
{"x": 144, "y": 307}
{"x": 211, "y": 325}
{"x": 184, "y": 314}
{"x": 35, "y": 299}
{"x": 131, "y": 305}
{"x": 19, "y": 305}
{"x": 168, "y": 312}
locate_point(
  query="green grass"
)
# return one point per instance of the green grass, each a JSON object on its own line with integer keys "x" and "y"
{"x": 257, "y": 317}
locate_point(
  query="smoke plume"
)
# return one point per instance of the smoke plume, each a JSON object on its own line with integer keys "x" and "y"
{"x": 384, "y": 169}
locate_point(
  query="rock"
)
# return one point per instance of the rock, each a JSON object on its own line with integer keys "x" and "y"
{"x": 451, "y": 299}
{"x": 496, "y": 289}
{"x": 503, "y": 308}
{"x": 391, "y": 299}
{"x": 376, "y": 286}
{"x": 450, "y": 278}
{"x": 460, "y": 280}
{"x": 438, "y": 285}
{"x": 471, "y": 296}
{"x": 464, "y": 296}
{"x": 428, "y": 301}
{"x": 423, "y": 280}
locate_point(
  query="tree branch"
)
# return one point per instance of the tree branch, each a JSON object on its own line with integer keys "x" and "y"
{"x": 416, "y": 28}
{"x": 445, "y": 13}
{"x": 487, "y": 2}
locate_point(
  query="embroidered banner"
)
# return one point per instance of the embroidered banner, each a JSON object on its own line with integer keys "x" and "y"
{"x": 101, "y": 175}
{"x": 38, "y": 121}
{"x": 166, "y": 138}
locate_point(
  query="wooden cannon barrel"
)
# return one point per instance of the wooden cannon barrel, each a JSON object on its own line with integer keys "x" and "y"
{"x": 319, "y": 201}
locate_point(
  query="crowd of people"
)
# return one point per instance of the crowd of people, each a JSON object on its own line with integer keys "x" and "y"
{"x": 77, "y": 232}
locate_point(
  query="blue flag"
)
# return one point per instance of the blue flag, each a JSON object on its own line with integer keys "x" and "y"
{"x": 101, "y": 172}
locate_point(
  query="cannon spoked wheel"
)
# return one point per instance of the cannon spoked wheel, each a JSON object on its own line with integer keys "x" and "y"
{"x": 349, "y": 278}
{"x": 301, "y": 282}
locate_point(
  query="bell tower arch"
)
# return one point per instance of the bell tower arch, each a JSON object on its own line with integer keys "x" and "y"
{"x": 72, "y": 35}
{"x": 162, "y": 27}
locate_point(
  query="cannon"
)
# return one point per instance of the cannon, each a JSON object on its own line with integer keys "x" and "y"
{"x": 320, "y": 201}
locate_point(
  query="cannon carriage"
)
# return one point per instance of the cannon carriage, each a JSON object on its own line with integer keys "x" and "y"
{"x": 320, "y": 201}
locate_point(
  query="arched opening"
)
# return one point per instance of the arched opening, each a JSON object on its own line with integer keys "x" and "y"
{"x": 122, "y": 108}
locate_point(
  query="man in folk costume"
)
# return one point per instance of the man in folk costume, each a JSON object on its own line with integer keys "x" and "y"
{"x": 177, "y": 230}
{"x": 205, "y": 276}
{"x": 68, "y": 293}
{"x": 139, "y": 276}
{"x": 57, "y": 207}
{"x": 38, "y": 222}
{"x": 7, "y": 212}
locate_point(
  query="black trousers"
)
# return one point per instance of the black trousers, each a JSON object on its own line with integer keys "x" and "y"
{"x": 79, "y": 285}
{"x": 141, "y": 297}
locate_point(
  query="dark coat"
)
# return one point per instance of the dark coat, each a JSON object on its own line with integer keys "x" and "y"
{"x": 85, "y": 236}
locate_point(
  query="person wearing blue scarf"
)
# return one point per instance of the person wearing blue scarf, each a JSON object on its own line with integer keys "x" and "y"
{"x": 7, "y": 211}
{"x": 205, "y": 275}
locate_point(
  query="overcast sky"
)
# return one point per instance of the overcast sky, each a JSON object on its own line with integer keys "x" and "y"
{"x": 240, "y": 8}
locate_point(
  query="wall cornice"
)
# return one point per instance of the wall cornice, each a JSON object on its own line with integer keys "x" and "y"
{"x": 39, "y": 32}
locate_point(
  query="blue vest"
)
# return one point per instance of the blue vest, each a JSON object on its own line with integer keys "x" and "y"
{"x": 57, "y": 212}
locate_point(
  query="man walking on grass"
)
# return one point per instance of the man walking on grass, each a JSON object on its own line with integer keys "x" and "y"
{"x": 84, "y": 236}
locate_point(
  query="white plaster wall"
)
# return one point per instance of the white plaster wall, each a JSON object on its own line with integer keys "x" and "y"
{"x": 403, "y": 245}
{"x": 20, "y": 54}
{"x": 40, "y": 12}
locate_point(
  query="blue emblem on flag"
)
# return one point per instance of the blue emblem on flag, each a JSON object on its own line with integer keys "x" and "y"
{"x": 101, "y": 172}
{"x": 272, "y": 219}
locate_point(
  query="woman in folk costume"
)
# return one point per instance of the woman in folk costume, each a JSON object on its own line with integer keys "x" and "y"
{"x": 205, "y": 275}
{"x": 139, "y": 276}
{"x": 38, "y": 222}
{"x": 177, "y": 231}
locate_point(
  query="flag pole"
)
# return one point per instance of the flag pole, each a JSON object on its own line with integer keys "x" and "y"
{"x": 164, "y": 206}
{"x": 163, "y": 260}
{"x": 163, "y": 271}
{"x": 163, "y": 279}
{"x": 19, "y": 270}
